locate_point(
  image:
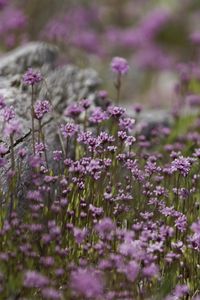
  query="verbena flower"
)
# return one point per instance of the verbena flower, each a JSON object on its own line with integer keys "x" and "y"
{"x": 85, "y": 103}
{"x": 69, "y": 129}
{"x": 98, "y": 116}
{"x": 73, "y": 110}
{"x": 13, "y": 127}
{"x": 33, "y": 279}
{"x": 115, "y": 111}
{"x": 41, "y": 107}
{"x": 32, "y": 77}
{"x": 87, "y": 282}
{"x": 119, "y": 65}
{"x": 51, "y": 294}
{"x": 8, "y": 113}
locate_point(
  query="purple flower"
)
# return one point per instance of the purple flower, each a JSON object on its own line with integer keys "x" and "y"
{"x": 32, "y": 77}
{"x": 115, "y": 111}
{"x": 103, "y": 94}
{"x": 3, "y": 3}
{"x": 57, "y": 155}
{"x": 40, "y": 148}
{"x": 151, "y": 271}
{"x": 132, "y": 270}
{"x": 51, "y": 294}
{"x": 47, "y": 261}
{"x": 195, "y": 38}
{"x": 182, "y": 164}
{"x": 8, "y": 113}
{"x": 80, "y": 235}
{"x": 3, "y": 162}
{"x": 137, "y": 107}
{"x": 193, "y": 100}
{"x": 73, "y": 110}
{"x": 119, "y": 65}
{"x": 3, "y": 149}
{"x": 13, "y": 127}
{"x": 129, "y": 140}
{"x": 126, "y": 123}
{"x": 196, "y": 227}
{"x": 98, "y": 116}
{"x": 181, "y": 290}
{"x": 181, "y": 222}
{"x": 33, "y": 279}
{"x": 22, "y": 152}
{"x": 87, "y": 282}
{"x": 85, "y": 103}
{"x": 69, "y": 129}
{"x": 105, "y": 226}
{"x": 41, "y": 108}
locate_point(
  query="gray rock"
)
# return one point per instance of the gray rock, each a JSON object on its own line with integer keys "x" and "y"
{"x": 31, "y": 55}
{"x": 61, "y": 86}
{"x": 69, "y": 84}
{"x": 150, "y": 119}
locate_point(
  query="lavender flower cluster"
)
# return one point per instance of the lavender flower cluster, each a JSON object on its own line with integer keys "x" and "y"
{"x": 116, "y": 218}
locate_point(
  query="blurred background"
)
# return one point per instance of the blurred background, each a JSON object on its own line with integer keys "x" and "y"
{"x": 155, "y": 36}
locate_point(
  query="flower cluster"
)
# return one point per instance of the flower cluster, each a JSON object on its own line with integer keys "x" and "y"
{"x": 41, "y": 108}
{"x": 109, "y": 215}
{"x": 32, "y": 77}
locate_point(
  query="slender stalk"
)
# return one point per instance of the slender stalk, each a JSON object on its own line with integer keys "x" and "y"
{"x": 32, "y": 119}
{"x": 118, "y": 87}
{"x": 12, "y": 152}
{"x": 39, "y": 131}
{"x": 45, "y": 152}
{"x": 12, "y": 179}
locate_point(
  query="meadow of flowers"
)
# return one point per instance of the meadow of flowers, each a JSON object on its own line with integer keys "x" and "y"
{"x": 116, "y": 217}
{"x": 112, "y": 210}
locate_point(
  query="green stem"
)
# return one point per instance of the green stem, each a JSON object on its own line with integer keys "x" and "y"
{"x": 32, "y": 120}
{"x": 12, "y": 179}
{"x": 118, "y": 87}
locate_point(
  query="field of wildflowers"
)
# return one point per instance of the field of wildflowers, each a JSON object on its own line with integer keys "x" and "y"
{"x": 113, "y": 211}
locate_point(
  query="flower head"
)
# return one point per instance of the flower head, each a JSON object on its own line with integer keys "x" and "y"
{"x": 33, "y": 279}
{"x": 119, "y": 65}
{"x": 87, "y": 283}
{"x": 73, "y": 110}
{"x": 69, "y": 129}
{"x": 12, "y": 127}
{"x": 32, "y": 77}
{"x": 41, "y": 108}
{"x": 8, "y": 113}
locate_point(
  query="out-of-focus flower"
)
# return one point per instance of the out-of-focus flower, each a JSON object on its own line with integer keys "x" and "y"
{"x": 193, "y": 100}
{"x": 119, "y": 65}
{"x": 8, "y": 113}
{"x": 195, "y": 37}
{"x": 33, "y": 279}
{"x": 12, "y": 127}
{"x": 87, "y": 282}
{"x": 73, "y": 110}
{"x": 51, "y": 294}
